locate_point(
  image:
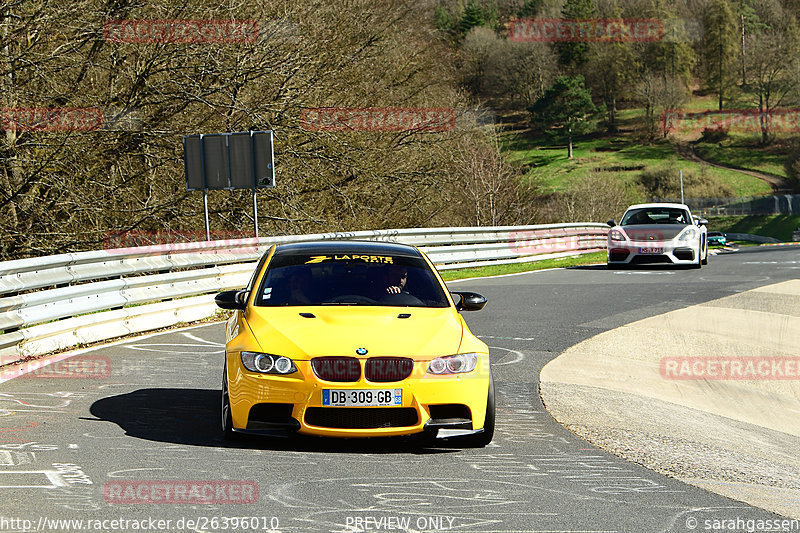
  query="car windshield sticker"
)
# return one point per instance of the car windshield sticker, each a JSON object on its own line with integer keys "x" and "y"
{"x": 353, "y": 257}
{"x": 267, "y": 293}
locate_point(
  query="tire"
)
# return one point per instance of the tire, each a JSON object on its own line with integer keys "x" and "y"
{"x": 705, "y": 257}
{"x": 227, "y": 420}
{"x": 485, "y": 437}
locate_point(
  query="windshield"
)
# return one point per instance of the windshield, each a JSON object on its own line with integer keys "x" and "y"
{"x": 656, "y": 215}
{"x": 350, "y": 279}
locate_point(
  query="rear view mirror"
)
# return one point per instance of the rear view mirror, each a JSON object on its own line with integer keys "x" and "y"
{"x": 470, "y": 301}
{"x": 234, "y": 300}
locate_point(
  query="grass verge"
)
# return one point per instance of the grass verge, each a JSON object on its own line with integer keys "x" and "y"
{"x": 513, "y": 268}
{"x": 778, "y": 226}
{"x": 547, "y": 165}
{"x": 742, "y": 154}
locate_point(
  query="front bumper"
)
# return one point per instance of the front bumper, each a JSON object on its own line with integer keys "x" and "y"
{"x": 266, "y": 404}
{"x": 640, "y": 253}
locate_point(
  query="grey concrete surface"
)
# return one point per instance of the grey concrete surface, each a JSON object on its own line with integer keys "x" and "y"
{"x": 734, "y": 432}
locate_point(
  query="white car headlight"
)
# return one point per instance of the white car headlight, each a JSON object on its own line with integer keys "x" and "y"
{"x": 688, "y": 234}
{"x": 616, "y": 235}
{"x": 453, "y": 364}
{"x": 266, "y": 363}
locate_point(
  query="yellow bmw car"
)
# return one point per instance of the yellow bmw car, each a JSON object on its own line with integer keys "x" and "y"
{"x": 353, "y": 339}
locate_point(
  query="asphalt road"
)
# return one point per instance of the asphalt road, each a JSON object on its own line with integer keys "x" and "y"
{"x": 77, "y": 448}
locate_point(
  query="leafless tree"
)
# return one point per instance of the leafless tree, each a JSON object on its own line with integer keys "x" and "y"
{"x": 66, "y": 190}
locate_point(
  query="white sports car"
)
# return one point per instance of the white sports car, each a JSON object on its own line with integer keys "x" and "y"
{"x": 658, "y": 233}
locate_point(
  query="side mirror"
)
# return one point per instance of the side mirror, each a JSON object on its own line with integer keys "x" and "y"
{"x": 234, "y": 300}
{"x": 702, "y": 222}
{"x": 470, "y": 301}
{"x": 612, "y": 223}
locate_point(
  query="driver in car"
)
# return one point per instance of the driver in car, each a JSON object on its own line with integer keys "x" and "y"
{"x": 395, "y": 279}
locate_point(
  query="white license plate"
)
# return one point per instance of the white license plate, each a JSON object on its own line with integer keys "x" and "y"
{"x": 651, "y": 250}
{"x": 361, "y": 397}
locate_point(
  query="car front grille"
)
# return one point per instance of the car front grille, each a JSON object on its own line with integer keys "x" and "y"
{"x": 383, "y": 369}
{"x": 338, "y": 369}
{"x": 361, "y": 417}
{"x": 650, "y": 259}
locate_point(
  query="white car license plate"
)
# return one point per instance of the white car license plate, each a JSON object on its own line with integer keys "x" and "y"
{"x": 651, "y": 250}
{"x": 362, "y": 397}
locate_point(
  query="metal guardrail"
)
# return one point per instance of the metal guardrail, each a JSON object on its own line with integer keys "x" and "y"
{"x": 63, "y": 301}
{"x": 750, "y": 238}
{"x": 784, "y": 204}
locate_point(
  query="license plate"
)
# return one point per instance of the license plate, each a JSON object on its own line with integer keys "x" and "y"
{"x": 651, "y": 250}
{"x": 362, "y": 397}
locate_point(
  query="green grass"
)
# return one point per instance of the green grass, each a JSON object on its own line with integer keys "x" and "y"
{"x": 743, "y": 155}
{"x": 778, "y": 226}
{"x": 513, "y": 268}
{"x": 549, "y": 167}
{"x": 742, "y": 184}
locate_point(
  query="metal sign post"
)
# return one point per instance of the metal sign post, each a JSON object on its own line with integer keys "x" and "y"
{"x": 255, "y": 212}
{"x": 242, "y": 160}
{"x": 205, "y": 211}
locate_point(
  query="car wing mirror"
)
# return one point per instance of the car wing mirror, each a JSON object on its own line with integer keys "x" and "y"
{"x": 702, "y": 222}
{"x": 470, "y": 301}
{"x": 612, "y": 223}
{"x": 234, "y": 300}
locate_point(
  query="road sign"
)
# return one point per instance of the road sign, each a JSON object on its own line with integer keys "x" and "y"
{"x": 242, "y": 160}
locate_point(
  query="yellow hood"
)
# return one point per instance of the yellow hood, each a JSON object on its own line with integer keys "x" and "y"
{"x": 339, "y": 330}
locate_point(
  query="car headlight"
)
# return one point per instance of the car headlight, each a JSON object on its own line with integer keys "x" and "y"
{"x": 266, "y": 363}
{"x": 616, "y": 235}
{"x": 453, "y": 364}
{"x": 688, "y": 234}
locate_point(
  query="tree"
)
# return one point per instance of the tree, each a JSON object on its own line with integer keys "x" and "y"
{"x": 492, "y": 192}
{"x": 665, "y": 70}
{"x": 63, "y": 191}
{"x": 519, "y": 72}
{"x": 672, "y": 56}
{"x": 749, "y": 24}
{"x": 719, "y": 47}
{"x": 656, "y": 91}
{"x": 614, "y": 66}
{"x": 566, "y": 105}
{"x": 774, "y": 69}
{"x": 473, "y": 16}
{"x": 530, "y": 8}
{"x": 479, "y": 45}
{"x": 597, "y": 196}
{"x": 573, "y": 54}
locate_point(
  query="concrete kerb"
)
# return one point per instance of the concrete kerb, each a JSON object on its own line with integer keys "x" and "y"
{"x": 733, "y": 437}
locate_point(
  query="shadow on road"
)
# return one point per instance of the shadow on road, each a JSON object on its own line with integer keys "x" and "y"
{"x": 192, "y": 417}
{"x": 629, "y": 267}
